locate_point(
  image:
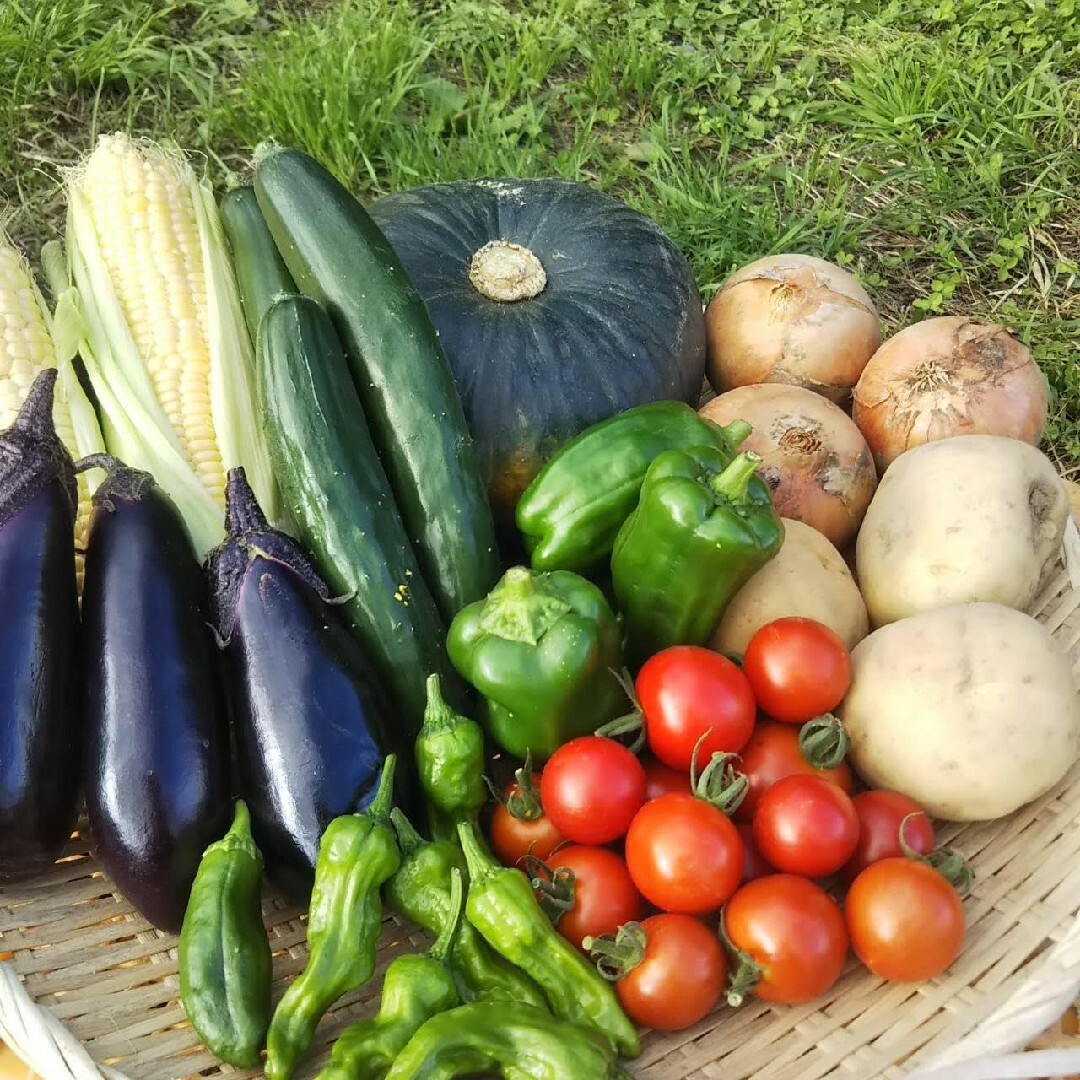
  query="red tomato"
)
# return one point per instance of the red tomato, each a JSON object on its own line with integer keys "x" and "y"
{"x": 520, "y": 827}
{"x": 797, "y": 668}
{"x": 680, "y": 977}
{"x": 685, "y": 692}
{"x": 805, "y": 825}
{"x": 773, "y": 753}
{"x": 591, "y": 788}
{"x": 604, "y": 896}
{"x": 906, "y": 921}
{"x": 793, "y": 931}
{"x": 659, "y": 779}
{"x": 754, "y": 864}
{"x": 881, "y": 814}
{"x": 683, "y": 854}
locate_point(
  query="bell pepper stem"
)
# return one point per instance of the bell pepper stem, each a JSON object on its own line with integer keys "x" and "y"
{"x": 517, "y": 611}
{"x": 444, "y": 943}
{"x": 616, "y": 955}
{"x": 480, "y": 865}
{"x": 735, "y": 434}
{"x": 437, "y": 714}
{"x": 239, "y": 837}
{"x": 409, "y": 840}
{"x": 732, "y": 484}
{"x": 383, "y": 803}
{"x": 823, "y": 742}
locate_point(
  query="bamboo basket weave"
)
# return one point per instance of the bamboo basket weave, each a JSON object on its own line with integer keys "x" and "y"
{"x": 90, "y": 990}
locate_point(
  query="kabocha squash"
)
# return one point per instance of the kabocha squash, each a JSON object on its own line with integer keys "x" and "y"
{"x": 557, "y": 306}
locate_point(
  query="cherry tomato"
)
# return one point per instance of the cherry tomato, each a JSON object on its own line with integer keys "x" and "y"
{"x": 680, "y": 976}
{"x": 685, "y": 692}
{"x": 793, "y": 932}
{"x": 881, "y": 814}
{"x": 603, "y": 894}
{"x": 520, "y": 827}
{"x": 906, "y": 921}
{"x": 805, "y": 825}
{"x": 660, "y": 779}
{"x": 591, "y": 788}
{"x": 797, "y": 668}
{"x": 684, "y": 854}
{"x": 773, "y": 753}
{"x": 754, "y": 864}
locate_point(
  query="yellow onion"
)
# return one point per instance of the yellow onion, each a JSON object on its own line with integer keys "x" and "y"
{"x": 814, "y": 458}
{"x": 948, "y": 376}
{"x": 792, "y": 319}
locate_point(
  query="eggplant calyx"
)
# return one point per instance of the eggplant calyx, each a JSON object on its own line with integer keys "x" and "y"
{"x": 122, "y": 482}
{"x": 249, "y": 536}
{"x": 31, "y": 453}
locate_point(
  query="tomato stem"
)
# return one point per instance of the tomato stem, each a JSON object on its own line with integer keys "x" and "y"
{"x": 823, "y": 742}
{"x": 555, "y": 887}
{"x": 745, "y": 972}
{"x": 950, "y": 864}
{"x": 616, "y": 955}
{"x": 720, "y": 784}
{"x": 524, "y": 803}
{"x": 632, "y": 723}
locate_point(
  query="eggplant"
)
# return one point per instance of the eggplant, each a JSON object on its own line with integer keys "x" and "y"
{"x": 157, "y": 740}
{"x": 39, "y": 720}
{"x": 312, "y": 722}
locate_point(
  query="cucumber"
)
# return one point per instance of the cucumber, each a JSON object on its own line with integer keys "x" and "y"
{"x": 335, "y": 487}
{"x": 261, "y": 274}
{"x": 337, "y": 255}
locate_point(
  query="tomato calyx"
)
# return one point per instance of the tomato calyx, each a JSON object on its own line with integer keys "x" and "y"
{"x": 554, "y": 887}
{"x": 523, "y": 802}
{"x": 823, "y": 742}
{"x": 950, "y": 864}
{"x": 720, "y": 784}
{"x": 632, "y": 723}
{"x": 616, "y": 955}
{"x": 746, "y": 972}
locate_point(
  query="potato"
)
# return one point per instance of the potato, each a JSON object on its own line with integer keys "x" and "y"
{"x": 974, "y": 517}
{"x": 806, "y": 577}
{"x": 971, "y": 710}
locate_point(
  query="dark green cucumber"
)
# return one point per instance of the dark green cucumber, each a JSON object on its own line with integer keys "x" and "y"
{"x": 261, "y": 274}
{"x": 338, "y": 256}
{"x": 334, "y": 485}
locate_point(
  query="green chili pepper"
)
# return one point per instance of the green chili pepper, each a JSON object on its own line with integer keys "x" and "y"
{"x": 420, "y": 892}
{"x": 415, "y": 988}
{"x": 357, "y": 854}
{"x": 541, "y": 649}
{"x": 450, "y": 762}
{"x": 704, "y": 526}
{"x": 502, "y": 906}
{"x": 514, "y": 1041}
{"x": 571, "y": 512}
{"x": 224, "y": 955}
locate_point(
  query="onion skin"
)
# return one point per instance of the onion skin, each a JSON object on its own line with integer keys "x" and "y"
{"x": 948, "y": 376}
{"x": 814, "y": 458}
{"x": 792, "y": 319}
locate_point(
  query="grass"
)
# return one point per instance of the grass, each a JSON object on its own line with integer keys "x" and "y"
{"x": 930, "y": 145}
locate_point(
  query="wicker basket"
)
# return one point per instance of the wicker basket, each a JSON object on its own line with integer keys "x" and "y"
{"x": 105, "y": 983}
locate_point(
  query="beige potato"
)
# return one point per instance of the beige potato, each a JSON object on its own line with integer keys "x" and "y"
{"x": 974, "y": 517}
{"x": 807, "y": 577}
{"x": 970, "y": 709}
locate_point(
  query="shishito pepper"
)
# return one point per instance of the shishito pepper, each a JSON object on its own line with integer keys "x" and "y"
{"x": 502, "y": 906}
{"x": 495, "y": 1039}
{"x": 542, "y": 650}
{"x": 704, "y": 525}
{"x": 420, "y": 892}
{"x": 357, "y": 854}
{"x": 450, "y": 762}
{"x": 415, "y": 988}
{"x": 224, "y": 954}
{"x": 570, "y": 513}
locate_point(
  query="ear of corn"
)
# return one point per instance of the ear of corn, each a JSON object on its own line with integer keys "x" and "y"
{"x": 157, "y": 316}
{"x": 27, "y": 346}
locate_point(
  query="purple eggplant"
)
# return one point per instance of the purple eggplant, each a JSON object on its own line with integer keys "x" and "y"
{"x": 311, "y": 721}
{"x": 157, "y": 789}
{"x": 39, "y": 724}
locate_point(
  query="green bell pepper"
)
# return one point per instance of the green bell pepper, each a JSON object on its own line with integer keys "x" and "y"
{"x": 357, "y": 853}
{"x": 224, "y": 955}
{"x": 704, "y": 525}
{"x": 570, "y": 513}
{"x": 513, "y": 1041}
{"x": 415, "y": 988}
{"x": 543, "y": 650}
